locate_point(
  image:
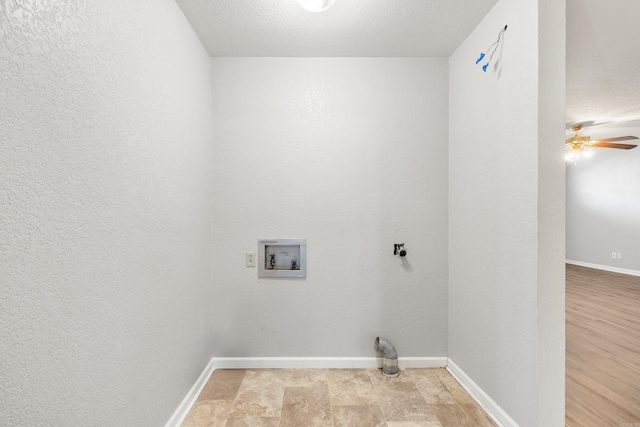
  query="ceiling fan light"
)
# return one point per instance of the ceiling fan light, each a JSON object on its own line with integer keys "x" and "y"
{"x": 316, "y": 5}
{"x": 571, "y": 157}
{"x": 575, "y": 153}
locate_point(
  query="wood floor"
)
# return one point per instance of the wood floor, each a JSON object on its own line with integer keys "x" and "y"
{"x": 603, "y": 348}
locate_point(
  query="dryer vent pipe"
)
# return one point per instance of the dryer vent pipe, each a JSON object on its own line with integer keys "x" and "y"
{"x": 389, "y": 357}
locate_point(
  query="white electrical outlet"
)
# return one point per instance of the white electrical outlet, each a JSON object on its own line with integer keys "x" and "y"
{"x": 251, "y": 259}
{"x": 613, "y": 255}
{"x": 619, "y": 255}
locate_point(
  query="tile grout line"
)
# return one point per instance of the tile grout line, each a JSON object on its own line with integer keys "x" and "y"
{"x": 386, "y": 421}
{"x": 329, "y": 395}
{"x": 376, "y": 395}
{"x": 244, "y": 377}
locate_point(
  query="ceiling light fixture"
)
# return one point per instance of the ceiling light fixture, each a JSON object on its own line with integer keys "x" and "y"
{"x": 316, "y": 5}
{"x": 575, "y": 154}
{"x": 578, "y": 146}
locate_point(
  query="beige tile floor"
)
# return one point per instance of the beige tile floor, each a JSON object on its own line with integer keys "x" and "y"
{"x": 335, "y": 398}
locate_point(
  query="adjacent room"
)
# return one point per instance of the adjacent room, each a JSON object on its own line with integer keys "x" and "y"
{"x": 603, "y": 215}
{"x": 153, "y": 153}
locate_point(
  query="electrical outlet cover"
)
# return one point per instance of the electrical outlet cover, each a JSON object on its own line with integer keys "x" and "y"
{"x": 251, "y": 259}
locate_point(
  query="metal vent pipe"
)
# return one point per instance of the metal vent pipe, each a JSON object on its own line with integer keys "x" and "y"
{"x": 389, "y": 357}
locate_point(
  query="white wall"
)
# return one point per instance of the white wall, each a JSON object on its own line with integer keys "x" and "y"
{"x": 506, "y": 283}
{"x": 105, "y": 208}
{"x": 603, "y": 203}
{"x": 552, "y": 23}
{"x": 350, "y": 154}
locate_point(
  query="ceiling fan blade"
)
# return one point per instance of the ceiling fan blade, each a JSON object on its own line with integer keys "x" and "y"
{"x": 602, "y": 144}
{"x": 619, "y": 138}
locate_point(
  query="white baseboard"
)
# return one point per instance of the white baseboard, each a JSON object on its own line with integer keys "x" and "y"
{"x": 487, "y": 403}
{"x": 604, "y": 267}
{"x": 421, "y": 362}
{"x": 185, "y": 406}
{"x": 323, "y": 362}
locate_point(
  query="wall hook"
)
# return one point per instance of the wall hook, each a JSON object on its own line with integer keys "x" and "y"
{"x": 398, "y": 249}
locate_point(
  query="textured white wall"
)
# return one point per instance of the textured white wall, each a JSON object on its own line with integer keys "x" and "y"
{"x": 603, "y": 203}
{"x": 506, "y": 212}
{"x": 552, "y": 22}
{"x": 350, "y": 154}
{"x": 105, "y": 208}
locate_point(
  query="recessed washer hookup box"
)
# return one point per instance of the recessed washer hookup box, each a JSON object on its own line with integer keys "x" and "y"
{"x": 282, "y": 258}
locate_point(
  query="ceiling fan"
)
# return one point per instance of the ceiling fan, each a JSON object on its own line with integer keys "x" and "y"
{"x": 577, "y": 146}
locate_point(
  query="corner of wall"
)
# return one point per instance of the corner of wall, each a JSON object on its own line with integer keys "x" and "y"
{"x": 505, "y": 213}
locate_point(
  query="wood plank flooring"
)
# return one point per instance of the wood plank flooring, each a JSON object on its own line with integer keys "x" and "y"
{"x": 602, "y": 349}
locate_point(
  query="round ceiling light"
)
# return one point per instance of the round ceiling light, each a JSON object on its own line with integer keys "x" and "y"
{"x": 316, "y": 5}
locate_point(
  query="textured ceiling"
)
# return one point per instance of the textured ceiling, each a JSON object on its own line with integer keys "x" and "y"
{"x": 603, "y": 60}
{"x": 603, "y": 39}
{"x": 348, "y": 28}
